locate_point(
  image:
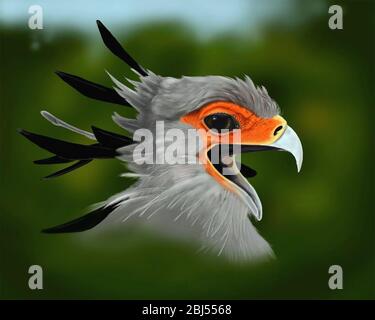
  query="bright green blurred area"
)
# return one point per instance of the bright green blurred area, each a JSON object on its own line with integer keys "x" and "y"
{"x": 323, "y": 81}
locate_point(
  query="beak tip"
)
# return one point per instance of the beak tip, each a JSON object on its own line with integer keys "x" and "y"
{"x": 299, "y": 166}
{"x": 299, "y": 159}
{"x": 257, "y": 216}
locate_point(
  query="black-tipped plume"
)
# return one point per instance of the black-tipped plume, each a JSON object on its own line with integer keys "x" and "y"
{"x": 66, "y": 152}
{"x": 98, "y": 91}
{"x": 85, "y": 222}
{"x": 92, "y": 90}
{"x": 115, "y": 47}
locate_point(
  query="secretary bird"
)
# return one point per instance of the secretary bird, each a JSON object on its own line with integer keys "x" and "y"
{"x": 210, "y": 201}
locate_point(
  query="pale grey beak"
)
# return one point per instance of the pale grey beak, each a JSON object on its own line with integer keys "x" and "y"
{"x": 290, "y": 142}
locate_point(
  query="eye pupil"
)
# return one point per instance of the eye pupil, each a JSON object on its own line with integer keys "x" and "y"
{"x": 221, "y": 121}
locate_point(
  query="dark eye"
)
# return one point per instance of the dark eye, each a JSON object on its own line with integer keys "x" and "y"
{"x": 221, "y": 121}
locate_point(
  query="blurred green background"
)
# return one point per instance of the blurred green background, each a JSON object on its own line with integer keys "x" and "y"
{"x": 323, "y": 81}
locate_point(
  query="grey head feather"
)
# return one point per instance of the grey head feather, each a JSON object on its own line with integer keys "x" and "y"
{"x": 166, "y": 98}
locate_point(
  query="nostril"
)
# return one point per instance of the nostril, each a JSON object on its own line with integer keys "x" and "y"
{"x": 277, "y": 130}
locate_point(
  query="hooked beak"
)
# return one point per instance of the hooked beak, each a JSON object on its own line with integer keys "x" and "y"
{"x": 287, "y": 141}
{"x": 290, "y": 142}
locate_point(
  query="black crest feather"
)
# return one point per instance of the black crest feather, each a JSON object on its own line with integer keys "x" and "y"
{"x": 66, "y": 152}
{"x": 92, "y": 90}
{"x": 115, "y": 47}
{"x": 86, "y": 222}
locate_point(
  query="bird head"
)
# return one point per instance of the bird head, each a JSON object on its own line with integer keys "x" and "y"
{"x": 232, "y": 116}
{"x": 209, "y": 198}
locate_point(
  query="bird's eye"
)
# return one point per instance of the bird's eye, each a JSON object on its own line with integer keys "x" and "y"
{"x": 221, "y": 121}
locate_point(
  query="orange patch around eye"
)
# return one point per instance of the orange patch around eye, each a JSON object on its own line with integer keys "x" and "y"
{"x": 254, "y": 129}
{"x": 241, "y": 114}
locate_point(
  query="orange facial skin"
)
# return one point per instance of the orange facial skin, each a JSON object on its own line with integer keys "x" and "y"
{"x": 254, "y": 131}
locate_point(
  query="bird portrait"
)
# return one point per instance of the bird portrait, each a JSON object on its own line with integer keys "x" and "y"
{"x": 211, "y": 203}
